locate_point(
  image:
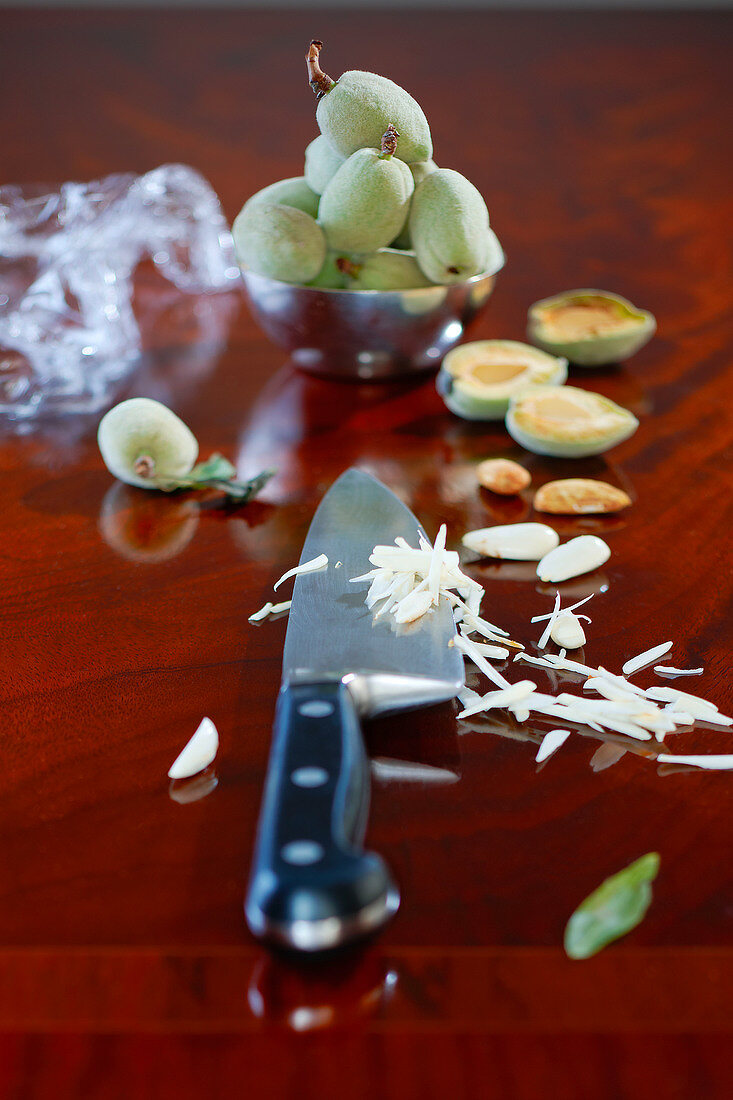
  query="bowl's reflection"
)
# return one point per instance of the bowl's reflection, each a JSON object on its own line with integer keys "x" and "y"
{"x": 297, "y": 421}
{"x": 366, "y": 334}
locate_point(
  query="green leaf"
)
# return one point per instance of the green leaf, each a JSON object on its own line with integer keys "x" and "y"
{"x": 217, "y": 467}
{"x": 244, "y": 490}
{"x": 241, "y": 491}
{"x": 617, "y": 906}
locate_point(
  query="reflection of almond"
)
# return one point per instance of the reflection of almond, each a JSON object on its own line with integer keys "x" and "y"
{"x": 503, "y": 476}
{"x": 579, "y": 496}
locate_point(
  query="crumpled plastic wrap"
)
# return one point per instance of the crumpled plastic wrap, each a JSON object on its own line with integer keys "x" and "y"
{"x": 68, "y": 330}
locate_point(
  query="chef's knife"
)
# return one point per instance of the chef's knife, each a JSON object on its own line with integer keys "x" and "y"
{"x": 312, "y": 885}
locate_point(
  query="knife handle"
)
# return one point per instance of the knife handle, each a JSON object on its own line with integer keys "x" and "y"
{"x": 312, "y": 886}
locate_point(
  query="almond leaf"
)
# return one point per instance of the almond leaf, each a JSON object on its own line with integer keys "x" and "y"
{"x": 617, "y": 906}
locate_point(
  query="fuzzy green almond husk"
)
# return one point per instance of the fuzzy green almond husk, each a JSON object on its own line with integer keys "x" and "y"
{"x": 449, "y": 228}
{"x": 366, "y": 203}
{"x": 573, "y": 424}
{"x": 359, "y": 107}
{"x": 387, "y": 269}
{"x": 322, "y": 162}
{"x": 279, "y": 241}
{"x": 474, "y": 398}
{"x": 592, "y": 350}
{"x": 144, "y": 443}
{"x": 294, "y": 192}
{"x": 332, "y": 276}
{"x": 419, "y": 172}
{"x": 354, "y": 111}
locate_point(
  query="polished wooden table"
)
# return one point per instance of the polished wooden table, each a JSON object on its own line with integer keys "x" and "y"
{"x": 602, "y": 145}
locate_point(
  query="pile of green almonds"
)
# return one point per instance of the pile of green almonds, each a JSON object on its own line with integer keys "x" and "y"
{"x": 372, "y": 210}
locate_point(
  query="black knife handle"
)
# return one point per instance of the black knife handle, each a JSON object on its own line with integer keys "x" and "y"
{"x": 312, "y": 886}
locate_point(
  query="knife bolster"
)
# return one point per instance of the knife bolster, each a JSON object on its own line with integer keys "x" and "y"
{"x": 377, "y": 693}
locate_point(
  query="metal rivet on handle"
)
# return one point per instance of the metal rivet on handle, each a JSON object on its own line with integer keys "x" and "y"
{"x": 309, "y": 777}
{"x": 315, "y": 708}
{"x": 301, "y": 852}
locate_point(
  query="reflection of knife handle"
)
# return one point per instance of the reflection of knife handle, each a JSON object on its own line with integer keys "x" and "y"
{"x": 312, "y": 886}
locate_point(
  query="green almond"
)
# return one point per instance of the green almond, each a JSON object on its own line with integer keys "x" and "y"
{"x": 478, "y": 380}
{"x": 567, "y": 422}
{"x": 589, "y": 327}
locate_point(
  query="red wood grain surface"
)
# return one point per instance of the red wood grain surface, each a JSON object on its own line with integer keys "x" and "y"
{"x": 602, "y": 145}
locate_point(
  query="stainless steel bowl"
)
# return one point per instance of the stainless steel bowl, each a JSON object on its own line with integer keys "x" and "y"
{"x": 366, "y": 334}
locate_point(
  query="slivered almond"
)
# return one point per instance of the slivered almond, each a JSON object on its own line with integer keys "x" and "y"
{"x": 580, "y": 496}
{"x": 550, "y": 743}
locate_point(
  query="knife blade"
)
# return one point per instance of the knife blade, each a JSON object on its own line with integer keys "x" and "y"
{"x": 312, "y": 885}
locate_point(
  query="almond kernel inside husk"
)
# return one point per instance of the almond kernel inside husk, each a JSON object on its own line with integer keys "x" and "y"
{"x": 556, "y": 407}
{"x": 576, "y": 320}
{"x": 490, "y": 373}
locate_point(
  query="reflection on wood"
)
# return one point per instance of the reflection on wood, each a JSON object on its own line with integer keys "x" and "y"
{"x": 122, "y": 911}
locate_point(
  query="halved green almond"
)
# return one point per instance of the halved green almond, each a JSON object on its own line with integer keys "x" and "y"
{"x": 589, "y": 327}
{"x": 567, "y": 422}
{"x": 477, "y": 380}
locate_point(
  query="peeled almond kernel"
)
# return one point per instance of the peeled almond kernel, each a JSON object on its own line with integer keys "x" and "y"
{"x": 516, "y": 541}
{"x": 198, "y": 753}
{"x": 580, "y": 496}
{"x": 502, "y": 476}
{"x": 567, "y": 631}
{"x": 581, "y": 555}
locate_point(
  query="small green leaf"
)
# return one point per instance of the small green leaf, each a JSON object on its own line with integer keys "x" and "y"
{"x": 244, "y": 490}
{"x": 241, "y": 491}
{"x": 217, "y": 467}
{"x": 617, "y": 906}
